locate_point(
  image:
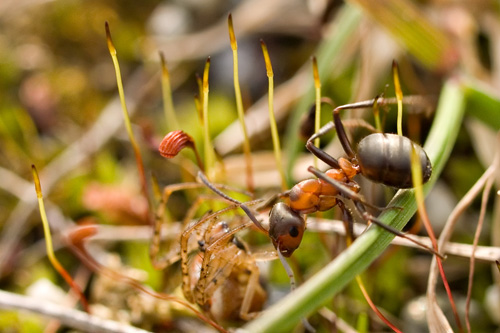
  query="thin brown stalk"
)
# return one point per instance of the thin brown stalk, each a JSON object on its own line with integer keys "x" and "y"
{"x": 416, "y": 171}
{"x": 435, "y": 311}
{"x": 425, "y": 218}
{"x": 484, "y": 202}
{"x": 373, "y": 306}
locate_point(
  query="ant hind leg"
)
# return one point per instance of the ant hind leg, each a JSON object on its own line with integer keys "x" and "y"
{"x": 370, "y": 218}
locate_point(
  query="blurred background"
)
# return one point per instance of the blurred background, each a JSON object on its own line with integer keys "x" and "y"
{"x": 59, "y": 110}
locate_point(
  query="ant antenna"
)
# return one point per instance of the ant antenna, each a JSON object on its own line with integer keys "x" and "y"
{"x": 244, "y": 207}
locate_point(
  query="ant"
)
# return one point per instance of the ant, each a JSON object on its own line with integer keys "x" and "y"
{"x": 381, "y": 157}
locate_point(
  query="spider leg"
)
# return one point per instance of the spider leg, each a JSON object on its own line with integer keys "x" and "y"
{"x": 154, "y": 248}
{"x": 173, "y": 254}
{"x": 210, "y": 218}
{"x": 219, "y": 260}
{"x": 217, "y": 266}
{"x": 252, "y": 286}
{"x": 160, "y": 262}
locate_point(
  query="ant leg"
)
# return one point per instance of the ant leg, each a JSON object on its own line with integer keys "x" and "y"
{"x": 245, "y": 208}
{"x": 322, "y": 155}
{"x": 319, "y": 153}
{"x": 360, "y": 206}
{"x": 308, "y": 119}
{"x": 348, "y": 222}
{"x": 343, "y": 189}
{"x": 344, "y": 140}
{"x": 370, "y": 218}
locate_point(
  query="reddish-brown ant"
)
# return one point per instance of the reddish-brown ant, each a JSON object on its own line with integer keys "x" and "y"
{"x": 381, "y": 157}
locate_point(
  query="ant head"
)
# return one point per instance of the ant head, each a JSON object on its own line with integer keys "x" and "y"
{"x": 286, "y": 228}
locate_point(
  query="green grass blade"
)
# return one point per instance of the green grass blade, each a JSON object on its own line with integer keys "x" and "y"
{"x": 483, "y": 103}
{"x": 354, "y": 260}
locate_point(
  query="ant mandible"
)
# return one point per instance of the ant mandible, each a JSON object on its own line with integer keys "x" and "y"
{"x": 381, "y": 157}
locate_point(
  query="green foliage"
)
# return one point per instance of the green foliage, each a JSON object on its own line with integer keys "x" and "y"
{"x": 56, "y": 80}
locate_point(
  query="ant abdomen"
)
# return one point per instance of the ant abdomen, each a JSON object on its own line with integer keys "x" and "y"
{"x": 386, "y": 158}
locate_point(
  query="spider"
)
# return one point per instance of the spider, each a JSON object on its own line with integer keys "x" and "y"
{"x": 223, "y": 279}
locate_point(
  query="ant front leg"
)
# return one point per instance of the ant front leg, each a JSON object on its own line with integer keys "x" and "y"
{"x": 348, "y": 222}
{"x": 339, "y": 126}
{"x": 319, "y": 153}
{"x": 243, "y": 206}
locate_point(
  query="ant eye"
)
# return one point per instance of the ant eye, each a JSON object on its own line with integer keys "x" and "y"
{"x": 294, "y": 232}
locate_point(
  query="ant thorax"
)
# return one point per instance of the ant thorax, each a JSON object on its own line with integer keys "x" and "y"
{"x": 350, "y": 168}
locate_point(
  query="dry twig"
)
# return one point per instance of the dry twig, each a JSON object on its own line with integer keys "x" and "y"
{"x": 69, "y": 317}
